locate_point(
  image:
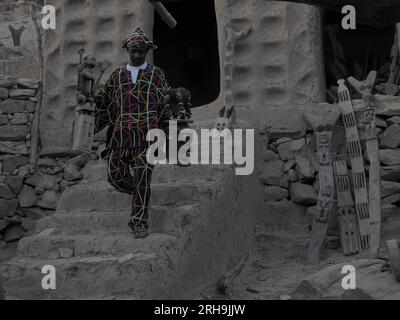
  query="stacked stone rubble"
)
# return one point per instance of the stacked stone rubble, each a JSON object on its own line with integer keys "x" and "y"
{"x": 290, "y": 170}
{"x": 28, "y": 192}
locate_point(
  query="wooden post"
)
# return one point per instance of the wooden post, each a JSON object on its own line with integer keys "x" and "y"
{"x": 398, "y": 34}
{"x": 165, "y": 15}
{"x": 394, "y": 257}
{"x": 348, "y": 225}
{"x": 365, "y": 89}
{"x": 357, "y": 164}
{"x": 323, "y": 126}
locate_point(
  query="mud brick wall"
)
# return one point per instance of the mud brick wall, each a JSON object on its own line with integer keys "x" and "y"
{"x": 98, "y": 26}
{"x": 277, "y": 67}
{"x": 290, "y": 170}
{"x": 28, "y": 192}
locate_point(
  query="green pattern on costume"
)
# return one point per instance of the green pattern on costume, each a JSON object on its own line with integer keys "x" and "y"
{"x": 131, "y": 110}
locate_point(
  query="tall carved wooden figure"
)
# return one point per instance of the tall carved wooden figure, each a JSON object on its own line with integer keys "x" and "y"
{"x": 84, "y": 113}
{"x": 348, "y": 224}
{"x": 357, "y": 164}
{"x": 365, "y": 88}
{"x": 323, "y": 126}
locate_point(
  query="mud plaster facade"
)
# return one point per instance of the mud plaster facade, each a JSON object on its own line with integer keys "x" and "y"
{"x": 278, "y": 71}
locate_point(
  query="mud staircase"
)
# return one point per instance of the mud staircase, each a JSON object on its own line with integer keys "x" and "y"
{"x": 198, "y": 231}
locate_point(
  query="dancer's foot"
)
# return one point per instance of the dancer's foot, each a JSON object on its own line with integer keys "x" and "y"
{"x": 139, "y": 232}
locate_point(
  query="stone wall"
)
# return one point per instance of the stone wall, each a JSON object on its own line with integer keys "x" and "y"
{"x": 28, "y": 192}
{"x": 290, "y": 170}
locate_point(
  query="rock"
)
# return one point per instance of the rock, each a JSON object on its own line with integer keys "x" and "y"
{"x": 3, "y": 224}
{"x": 35, "y": 213}
{"x": 12, "y": 106}
{"x": 72, "y": 173}
{"x": 282, "y": 140}
{"x": 391, "y": 173}
{"x": 49, "y": 201}
{"x": 57, "y": 152}
{"x": 391, "y": 137}
{"x": 305, "y": 169}
{"x": 272, "y": 173}
{"x": 297, "y": 145}
{"x": 284, "y": 182}
{"x": 3, "y": 119}
{"x": 57, "y": 170}
{"x": 47, "y": 162}
{"x": 380, "y": 123}
{"x": 41, "y": 180}
{"x": 394, "y": 198}
{"x": 269, "y": 155}
{"x": 285, "y": 297}
{"x": 23, "y": 171}
{"x": 7, "y": 82}
{"x": 389, "y": 188}
{"x": 292, "y": 175}
{"x": 277, "y": 133}
{"x": 66, "y": 183}
{"x": 13, "y": 133}
{"x": 8, "y": 207}
{"x": 372, "y": 283}
{"x": 289, "y": 165}
{"x": 303, "y": 194}
{"x": 28, "y": 224}
{"x": 285, "y": 153}
{"x": 27, "y": 197}
{"x": 13, "y": 233}
{"x": 30, "y": 107}
{"x": 20, "y": 118}
{"x": 22, "y": 94}
{"x": 393, "y": 120}
{"x": 5, "y": 192}
{"x": 28, "y": 84}
{"x": 390, "y": 157}
{"x": 65, "y": 253}
{"x": 3, "y": 93}
{"x": 80, "y": 160}
{"x": 275, "y": 194}
{"x": 40, "y": 191}
{"x": 13, "y": 147}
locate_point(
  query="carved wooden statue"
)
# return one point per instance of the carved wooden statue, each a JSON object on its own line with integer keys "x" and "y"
{"x": 323, "y": 126}
{"x": 357, "y": 164}
{"x": 365, "y": 89}
{"x": 84, "y": 113}
{"x": 348, "y": 225}
{"x": 86, "y": 78}
{"x": 178, "y": 101}
{"x": 225, "y": 118}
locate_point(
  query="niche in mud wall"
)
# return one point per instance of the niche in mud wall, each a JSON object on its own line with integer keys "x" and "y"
{"x": 189, "y": 53}
{"x": 355, "y": 53}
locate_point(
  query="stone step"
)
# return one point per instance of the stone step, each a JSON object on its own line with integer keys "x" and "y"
{"x": 97, "y": 171}
{"x": 101, "y": 196}
{"x": 162, "y": 220}
{"x": 136, "y": 275}
{"x": 59, "y": 246}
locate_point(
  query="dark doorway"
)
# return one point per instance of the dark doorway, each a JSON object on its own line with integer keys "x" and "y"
{"x": 355, "y": 52}
{"x": 189, "y": 53}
